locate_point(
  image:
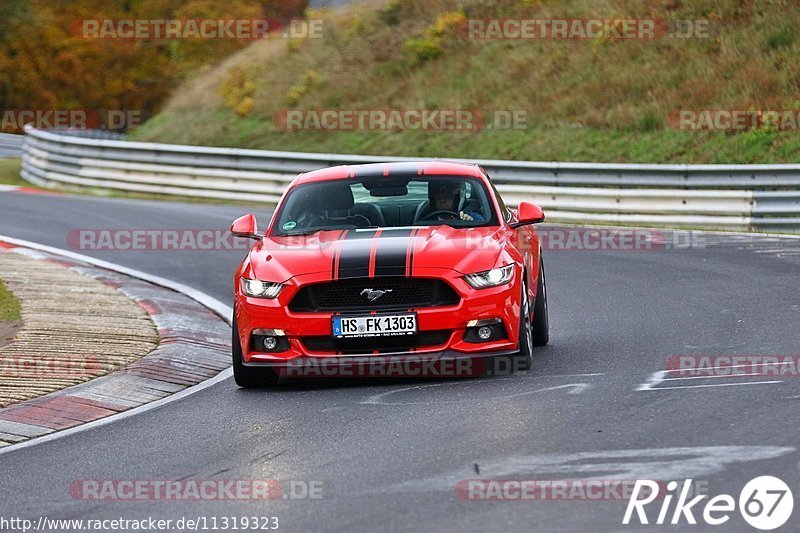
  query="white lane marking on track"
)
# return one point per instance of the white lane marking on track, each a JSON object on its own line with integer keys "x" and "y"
{"x": 8, "y": 188}
{"x": 654, "y": 379}
{"x": 531, "y": 376}
{"x": 650, "y": 463}
{"x": 379, "y": 399}
{"x": 569, "y": 375}
{"x": 213, "y": 304}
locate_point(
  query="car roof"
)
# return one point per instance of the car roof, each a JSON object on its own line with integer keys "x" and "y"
{"x": 373, "y": 170}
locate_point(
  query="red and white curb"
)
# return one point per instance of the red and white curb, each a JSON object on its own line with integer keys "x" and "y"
{"x": 194, "y": 354}
{"x": 27, "y": 190}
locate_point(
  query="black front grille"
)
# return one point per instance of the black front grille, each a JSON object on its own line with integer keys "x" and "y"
{"x": 400, "y": 343}
{"x": 346, "y": 295}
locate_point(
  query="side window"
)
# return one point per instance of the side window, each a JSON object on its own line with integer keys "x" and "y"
{"x": 503, "y": 208}
{"x": 360, "y": 194}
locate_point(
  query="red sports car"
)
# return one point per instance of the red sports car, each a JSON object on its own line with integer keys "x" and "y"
{"x": 388, "y": 262}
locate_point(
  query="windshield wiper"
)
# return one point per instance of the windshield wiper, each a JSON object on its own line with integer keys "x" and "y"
{"x": 304, "y": 232}
{"x": 449, "y": 223}
{"x": 315, "y": 230}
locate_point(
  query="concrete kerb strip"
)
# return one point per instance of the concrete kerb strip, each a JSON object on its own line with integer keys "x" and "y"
{"x": 75, "y": 326}
{"x": 164, "y": 376}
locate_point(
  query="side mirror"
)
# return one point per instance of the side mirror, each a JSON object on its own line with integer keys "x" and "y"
{"x": 246, "y": 227}
{"x": 529, "y": 213}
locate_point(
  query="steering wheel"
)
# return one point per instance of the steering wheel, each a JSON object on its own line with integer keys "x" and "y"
{"x": 430, "y": 216}
{"x": 363, "y": 223}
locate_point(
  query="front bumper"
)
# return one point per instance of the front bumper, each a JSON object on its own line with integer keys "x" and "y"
{"x": 498, "y": 302}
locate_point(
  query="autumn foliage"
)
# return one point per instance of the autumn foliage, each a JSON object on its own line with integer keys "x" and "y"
{"x": 45, "y": 65}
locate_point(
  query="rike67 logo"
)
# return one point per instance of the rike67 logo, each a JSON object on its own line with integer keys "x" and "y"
{"x": 765, "y": 503}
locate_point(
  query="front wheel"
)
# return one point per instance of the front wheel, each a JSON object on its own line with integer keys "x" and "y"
{"x": 524, "y": 359}
{"x": 244, "y": 376}
{"x": 541, "y": 321}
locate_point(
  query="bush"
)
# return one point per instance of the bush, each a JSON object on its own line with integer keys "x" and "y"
{"x": 237, "y": 90}
{"x": 311, "y": 80}
{"x": 391, "y": 15}
{"x": 432, "y": 45}
{"x": 422, "y": 50}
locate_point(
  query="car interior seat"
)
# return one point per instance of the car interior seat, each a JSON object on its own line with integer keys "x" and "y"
{"x": 338, "y": 202}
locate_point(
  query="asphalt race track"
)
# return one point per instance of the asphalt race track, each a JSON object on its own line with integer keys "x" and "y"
{"x": 390, "y": 453}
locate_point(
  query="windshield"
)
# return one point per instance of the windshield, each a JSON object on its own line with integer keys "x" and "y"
{"x": 385, "y": 203}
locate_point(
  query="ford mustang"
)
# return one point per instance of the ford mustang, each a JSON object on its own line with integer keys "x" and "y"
{"x": 388, "y": 262}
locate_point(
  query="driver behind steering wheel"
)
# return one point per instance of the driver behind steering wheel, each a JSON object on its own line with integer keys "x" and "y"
{"x": 450, "y": 195}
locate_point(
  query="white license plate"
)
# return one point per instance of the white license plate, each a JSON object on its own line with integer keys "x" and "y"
{"x": 374, "y": 326}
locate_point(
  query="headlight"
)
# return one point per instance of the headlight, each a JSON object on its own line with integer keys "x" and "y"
{"x": 261, "y": 289}
{"x": 490, "y": 278}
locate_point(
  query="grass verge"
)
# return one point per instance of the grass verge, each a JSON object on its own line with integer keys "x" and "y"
{"x": 9, "y": 173}
{"x": 9, "y": 305}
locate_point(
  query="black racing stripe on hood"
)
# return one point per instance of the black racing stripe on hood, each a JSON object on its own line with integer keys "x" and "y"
{"x": 414, "y": 233}
{"x": 372, "y": 170}
{"x": 356, "y": 248}
{"x": 392, "y": 251}
{"x": 405, "y": 169}
{"x": 335, "y": 254}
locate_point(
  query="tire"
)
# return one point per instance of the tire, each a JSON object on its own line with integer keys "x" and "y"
{"x": 541, "y": 320}
{"x": 248, "y": 377}
{"x": 524, "y": 358}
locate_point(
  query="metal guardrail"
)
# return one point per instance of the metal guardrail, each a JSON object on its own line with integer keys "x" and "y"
{"x": 90, "y": 134}
{"x": 10, "y": 145}
{"x": 743, "y": 197}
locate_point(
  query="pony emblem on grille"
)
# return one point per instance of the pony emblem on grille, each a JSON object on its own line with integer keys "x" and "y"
{"x": 373, "y": 295}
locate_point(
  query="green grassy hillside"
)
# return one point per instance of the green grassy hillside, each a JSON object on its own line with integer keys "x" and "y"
{"x": 586, "y": 100}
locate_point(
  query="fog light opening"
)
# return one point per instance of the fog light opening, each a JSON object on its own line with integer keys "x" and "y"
{"x": 270, "y": 343}
{"x": 484, "y": 333}
{"x": 485, "y": 330}
{"x": 269, "y": 340}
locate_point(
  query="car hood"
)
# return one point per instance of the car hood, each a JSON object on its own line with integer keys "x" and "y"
{"x": 391, "y": 251}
